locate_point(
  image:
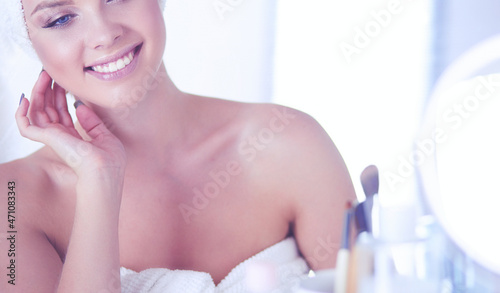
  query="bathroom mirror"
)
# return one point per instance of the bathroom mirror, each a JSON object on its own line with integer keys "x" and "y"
{"x": 460, "y": 140}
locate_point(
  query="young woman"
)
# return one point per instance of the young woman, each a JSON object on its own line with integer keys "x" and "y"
{"x": 151, "y": 177}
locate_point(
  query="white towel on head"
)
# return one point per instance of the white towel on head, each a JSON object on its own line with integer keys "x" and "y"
{"x": 284, "y": 256}
{"x": 13, "y": 25}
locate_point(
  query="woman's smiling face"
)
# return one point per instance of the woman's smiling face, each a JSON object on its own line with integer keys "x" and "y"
{"x": 99, "y": 50}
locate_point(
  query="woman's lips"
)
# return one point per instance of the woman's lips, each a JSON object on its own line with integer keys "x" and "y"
{"x": 115, "y": 66}
{"x": 116, "y": 69}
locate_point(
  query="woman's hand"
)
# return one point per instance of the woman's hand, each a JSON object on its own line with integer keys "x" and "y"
{"x": 99, "y": 164}
{"x": 47, "y": 120}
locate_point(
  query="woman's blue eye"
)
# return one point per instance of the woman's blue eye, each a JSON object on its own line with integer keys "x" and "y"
{"x": 61, "y": 21}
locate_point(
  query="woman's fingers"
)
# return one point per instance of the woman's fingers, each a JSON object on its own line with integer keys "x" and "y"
{"x": 23, "y": 122}
{"x": 46, "y": 119}
{"x": 59, "y": 138}
{"x": 89, "y": 121}
{"x": 109, "y": 151}
{"x": 50, "y": 108}
{"x": 46, "y": 114}
{"x": 37, "y": 110}
{"x": 49, "y": 101}
{"x": 61, "y": 106}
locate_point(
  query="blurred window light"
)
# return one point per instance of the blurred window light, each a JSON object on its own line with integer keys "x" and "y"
{"x": 361, "y": 68}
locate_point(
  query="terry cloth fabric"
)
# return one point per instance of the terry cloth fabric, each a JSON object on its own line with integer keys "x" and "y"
{"x": 13, "y": 26}
{"x": 284, "y": 256}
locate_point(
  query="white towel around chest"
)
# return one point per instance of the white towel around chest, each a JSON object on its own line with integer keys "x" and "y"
{"x": 290, "y": 269}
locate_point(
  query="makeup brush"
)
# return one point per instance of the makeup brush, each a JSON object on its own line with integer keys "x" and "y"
{"x": 343, "y": 254}
{"x": 370, "y": 183}
{"x": 363, "y": 211}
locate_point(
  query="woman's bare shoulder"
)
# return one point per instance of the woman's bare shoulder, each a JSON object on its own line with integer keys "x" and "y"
{"x": 22, "y": 171}
{"x": 263, "y": 129}
{"x": 270, "y": 137}
{"x": 32, "y": 169}
{"x": 293, "y": 151}
{"x": 251, "y": 115}
{"x": 36, "y": 178}
{"x": 280, "y": 129}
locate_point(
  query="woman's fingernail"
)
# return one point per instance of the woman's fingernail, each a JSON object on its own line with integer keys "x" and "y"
{"x": 22, "y": 97}
{"x": 41, "y": 71}
{"x": 77, "y": 104}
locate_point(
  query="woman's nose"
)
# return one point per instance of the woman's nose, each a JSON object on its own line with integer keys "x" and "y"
{"x": 102, "y": 31}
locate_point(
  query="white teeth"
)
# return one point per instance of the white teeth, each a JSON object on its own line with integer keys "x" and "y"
{"x": 120, "y": 64}
{"x": 115, "y": 66}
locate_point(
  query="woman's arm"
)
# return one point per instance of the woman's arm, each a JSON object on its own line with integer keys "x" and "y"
{"x": 92, "y": 260}
{"x": 35, "y": 264}
{"x": 312, "y": 175}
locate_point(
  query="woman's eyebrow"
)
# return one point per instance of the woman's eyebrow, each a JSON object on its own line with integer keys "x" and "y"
{"x": 50, "y": 4}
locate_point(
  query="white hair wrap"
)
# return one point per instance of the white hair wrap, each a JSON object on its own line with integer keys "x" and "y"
{"x": 13, "y": 26}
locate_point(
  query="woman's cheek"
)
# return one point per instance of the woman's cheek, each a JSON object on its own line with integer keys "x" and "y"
{"x": 149, "y": 20}
{"x": 59, "y": 56}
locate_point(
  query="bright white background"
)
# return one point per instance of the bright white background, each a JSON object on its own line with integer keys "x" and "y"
{"x": 371, "y": 105}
